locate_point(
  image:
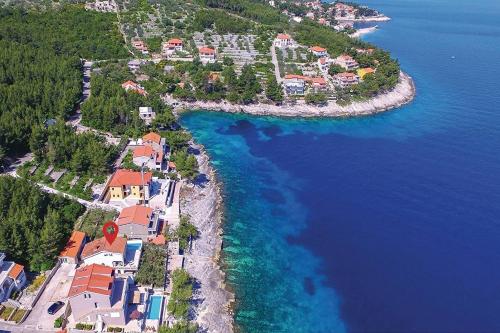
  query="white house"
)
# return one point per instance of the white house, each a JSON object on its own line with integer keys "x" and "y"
{"x": 171, "y": 46}
{"x": 12, "y": 277}
{"x": 346, "y": 61}
{"x": 324, "y": 64}
{"x": 207, "y": 55}
{"x": 319, "y": 51}
{"x": 101, "y": 252}
{"x": 147, "y": 114}
{"x": 345, "y": 79}
{"x": 294, "y": 84}
{"x": 284, "y": 41}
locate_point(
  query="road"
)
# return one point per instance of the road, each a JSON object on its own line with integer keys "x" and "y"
{"x": 276, "y": 65}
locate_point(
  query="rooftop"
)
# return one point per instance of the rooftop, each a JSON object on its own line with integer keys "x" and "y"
{"x": 152, "y": 137}
{"x": 93, "y": 278}
{"x": 143, "y": 151}
{"x": 101, "y": 245}
{"x": 73, "y": 245}
{"x": 129, "y": 177}
{"x": 135, "y": 214}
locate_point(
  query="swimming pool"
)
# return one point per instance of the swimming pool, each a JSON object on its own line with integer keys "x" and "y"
{"x": 154, "y": 309}
{"x": 134, "y": 245}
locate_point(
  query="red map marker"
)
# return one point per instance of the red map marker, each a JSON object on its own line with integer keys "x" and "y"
{"x": 110, "y": 231}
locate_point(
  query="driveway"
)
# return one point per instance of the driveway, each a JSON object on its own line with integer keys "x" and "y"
{"x": 56, "y": 290}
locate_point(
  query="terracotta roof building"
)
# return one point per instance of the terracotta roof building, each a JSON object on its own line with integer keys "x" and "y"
{"x": 138, "y": 222}
{"x": 128, "y": 184}
{"x": 71, "y": 252}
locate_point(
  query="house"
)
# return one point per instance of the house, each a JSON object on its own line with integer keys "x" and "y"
{"x": 134, "y": 65}
{"x": 171, "y": 46}
{"x": 365, "y": 51}
{"x": 154, "y": 140}
{"x": 323, "y": 64}
{"x": 71, "y": 252}
{"x": 140, "y": 45}
{"x": 102, "y": 6}
{"x": 310, "y": 15}
{"x": 318, "y": 51}
{"x": 97, "y": 295}
{"x": 362, "y": 72}
{"x": 135, "y": 87}
{"x": 12, "y": 277}
{"x": 294, "y": 84}
{"x": 138, "y": 222}
{"x": 318, "y": 84}
{"x": 323, "y": 21}
{"x": 283, "y": 41}
{"x": 346, "y": 61}
{"x": 101, "y": 252}
{"x": 149, "y": 157}
{"x": 345, "y": 79}
{"x": 207, "y": 55}
{"x": 147, "y": 114}
{"x": 128, "y": 184}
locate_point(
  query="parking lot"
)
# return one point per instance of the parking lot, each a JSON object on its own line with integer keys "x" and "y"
{"x": 56, "y": 290}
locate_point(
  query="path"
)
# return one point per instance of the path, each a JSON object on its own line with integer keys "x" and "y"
{"x": 276, "y": 65}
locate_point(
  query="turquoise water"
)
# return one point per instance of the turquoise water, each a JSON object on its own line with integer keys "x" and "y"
{"x": 154, "y": 309}
{"x": 380, "y": 224}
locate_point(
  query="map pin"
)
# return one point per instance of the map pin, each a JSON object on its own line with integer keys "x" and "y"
{"x": 110, "y": 231}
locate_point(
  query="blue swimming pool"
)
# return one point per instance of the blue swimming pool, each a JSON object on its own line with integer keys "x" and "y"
{"x": 154, "y": 309}
{"x": 134, "y": 245}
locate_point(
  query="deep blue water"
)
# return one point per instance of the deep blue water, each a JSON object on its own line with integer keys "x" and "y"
{"x": 388, "y": 223}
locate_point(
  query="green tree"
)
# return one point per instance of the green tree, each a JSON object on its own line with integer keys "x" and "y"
{"x": 182, "y": 291}
{"x": 182, "y": 326}
{"x": 273, "y": 90}
{"x": 185, "y": 232}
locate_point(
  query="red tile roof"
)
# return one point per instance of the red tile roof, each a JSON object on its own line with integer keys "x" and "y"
{"x": 318, "y": 80}
{"x": 295, "y": 76}
{"x": 283, "y": 36}
{"x": 129, "y": 84}
{"x": 73, "y": 245}
{"x": 135, "y": 214}
{"x": 129, "y": 177}
{"x": 159, "y": 240}
{"x": 93, "y": 278}
{"x": 175, "y": 41}
{"x": 102, "y": 245}
{"x": 152, "y": 137}
{"x": 206, "y": 50}
{"x": 318, "y": 49}
{"x": 16, "y": 271}
{"x": 143, "y": 151}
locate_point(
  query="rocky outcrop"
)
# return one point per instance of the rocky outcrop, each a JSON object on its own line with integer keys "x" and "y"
{"x": 403, "y": 93}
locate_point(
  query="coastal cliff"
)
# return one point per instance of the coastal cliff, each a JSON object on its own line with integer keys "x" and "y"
{"x": 202, "y": 201}
{"x": 403, "y": 93}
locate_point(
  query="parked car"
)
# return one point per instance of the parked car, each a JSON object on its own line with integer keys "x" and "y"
{"x": 55, "y": 307}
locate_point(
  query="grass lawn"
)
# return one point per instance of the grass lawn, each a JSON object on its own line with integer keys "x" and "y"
{"x": 18, "y": 315}
{"x": 94, "y": 220}
{"x": 36, "y": 283}
{"x": 6, "y": 313}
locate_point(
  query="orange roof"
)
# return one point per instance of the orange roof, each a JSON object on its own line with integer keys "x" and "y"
{"x": 135, "y": 214}
{"x": 129, "y": 84}
{"x": 283, "y": 36}
{"x": 346, "y": 75}
{"x": 152, "y": 137}
{"x": 141, "y": 151}
{"x": 318, "y": 49}
{"x": 345, "y": 57}
{"x": 129, "y": 177}
{"x": 93, "y": 278}
{"x": 206, "y": 50}
{"x": 368, "y": 70}
{"x": 174, "y": 41}
{"x": 73, "y": 245}
{"x": 295, "y": 76}
{"x": 159, "y": 240}
{"x": 102, "y": 245}
{"x": 318, "y": 80}
{"x": 16, "y": 271}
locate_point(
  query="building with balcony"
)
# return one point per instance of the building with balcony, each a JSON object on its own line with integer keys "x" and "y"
{"x": 128, "y": 184}
{"x": 138, "y": 222}
{"x": 12, "y": 277}
{"x": 344, "y": 80}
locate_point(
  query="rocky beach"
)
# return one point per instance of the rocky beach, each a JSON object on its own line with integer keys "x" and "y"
{"x": 202, "y": 202}
{"x": 403, "y": 93}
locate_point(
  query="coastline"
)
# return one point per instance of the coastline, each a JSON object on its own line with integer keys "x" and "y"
{"x": 212, "y": 298}
{"x": 363, "y": 31}
{"x": 402, "y": 94}
{"x": 380, "y": 18}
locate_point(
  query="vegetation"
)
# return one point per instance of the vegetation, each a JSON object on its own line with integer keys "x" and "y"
{"x": 40, "y": 76}
{"x": 182, "y": 326}
{"x": 186, "y": 164}
{"x": 274, "y": 91}
{"x": 18, "y": 315}
{"x": 316, "y": 98}
{"x": 152, "y": 266}
{"x": 6, "y": 312}
{"x": 93, "y": 221}
{"x": 185, "y": 232}
{"x": 39, "y": 280}
{"x": 58, "y": 322}
{"x": 182, "y": 291}
{"x": 34, "y": 226}
{"x": 220, "y": 22}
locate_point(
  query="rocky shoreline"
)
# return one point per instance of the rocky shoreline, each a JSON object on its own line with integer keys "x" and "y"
{"x": 212, "y": 299}
{"x": 403, "y": 93}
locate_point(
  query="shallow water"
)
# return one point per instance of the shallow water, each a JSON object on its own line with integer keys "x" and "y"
{"x": 381, "y": 224}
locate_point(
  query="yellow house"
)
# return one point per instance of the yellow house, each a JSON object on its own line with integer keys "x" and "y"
{"x": 363, "y": 71}
{"x": 129, "y": 184}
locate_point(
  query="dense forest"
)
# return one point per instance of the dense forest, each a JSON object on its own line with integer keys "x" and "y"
{"x": 34, "y": 226}
{"x": 40, "y": 67}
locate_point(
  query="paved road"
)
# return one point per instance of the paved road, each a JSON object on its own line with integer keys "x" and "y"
{"x": 276, "y": 66}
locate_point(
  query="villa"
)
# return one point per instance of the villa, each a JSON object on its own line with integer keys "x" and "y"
{"x": 346, "y": 61}
{"x": 171, "y": 46}
{"x": 323, "y": 64}
{"x": 345, "y": 79}
{"x": 135, "y": 87}
{"x": 319, "y": 51}
{"x": 154, "y": 140}
{"x": 148, "y": 157}
{"x": 294, "y": 84}
{"x": 97, "y": 296}
{"x": 147, "y": 114}
{"x": 101, "y": 252}
{"x": 318, "y": 84}
{"x": 141, "y": 46}
{"x": 283, "y": 41}
{"x": 71, "y": 252}
{"x": 138, "y": 222}
{"x": 128, "y": 184}
{"x": 12, "y": 277}
{"x": 207, "y": 55}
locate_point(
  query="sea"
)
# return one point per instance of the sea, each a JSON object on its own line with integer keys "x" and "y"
{"x": 386, "y": 223}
